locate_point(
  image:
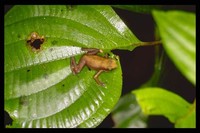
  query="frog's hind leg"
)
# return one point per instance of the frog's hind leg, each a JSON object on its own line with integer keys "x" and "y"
{"x": 73, "y": 65}
{"x": 92, "y": 51}
{"x": 76, "y": 68}
{"x": 97, "y": 79}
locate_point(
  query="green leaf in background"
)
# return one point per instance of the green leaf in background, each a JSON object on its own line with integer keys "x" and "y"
{"x": 40, "y": 89}
{"x": 178, "y": 33}
{"x": 157, "y": 101}
{"x": 189, "y": 120}
{"x": 127, "y": 113}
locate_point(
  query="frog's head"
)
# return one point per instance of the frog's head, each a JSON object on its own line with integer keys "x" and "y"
{"x": 112, "y": 64}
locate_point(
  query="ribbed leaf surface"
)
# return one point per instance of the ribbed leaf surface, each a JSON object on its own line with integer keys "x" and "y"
{"x": 40, "y": 89}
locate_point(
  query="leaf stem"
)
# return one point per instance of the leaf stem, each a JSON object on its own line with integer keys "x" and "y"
{"x": 149, "y": 43}
{"x": 159, "y": 65}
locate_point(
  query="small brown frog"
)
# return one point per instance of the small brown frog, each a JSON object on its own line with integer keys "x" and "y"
{"x": 93, "y": 61}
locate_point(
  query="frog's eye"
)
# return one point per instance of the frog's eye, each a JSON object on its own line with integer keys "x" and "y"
{"x": 116, "y": 57}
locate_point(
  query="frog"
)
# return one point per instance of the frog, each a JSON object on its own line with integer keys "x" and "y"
{"x": 94, "y": 62}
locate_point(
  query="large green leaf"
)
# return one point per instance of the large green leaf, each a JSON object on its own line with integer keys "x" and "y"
{"x": 157, "y": 101}
{"x": 40, "y": 89}
{"x": 178, "y": 33}
{"x": 188, "y": 120}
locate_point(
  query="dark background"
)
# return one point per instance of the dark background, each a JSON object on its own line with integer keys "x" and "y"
{"x": 138, "y": 65}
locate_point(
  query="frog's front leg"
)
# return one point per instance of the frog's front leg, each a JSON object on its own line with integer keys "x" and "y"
{"x": 76, "y": 68}
{"x": 97, "y": 79}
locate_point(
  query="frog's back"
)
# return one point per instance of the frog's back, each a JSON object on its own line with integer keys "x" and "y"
{"x": 99, "y": 63}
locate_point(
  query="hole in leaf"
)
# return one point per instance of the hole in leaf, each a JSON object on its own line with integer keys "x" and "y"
{"x": 35, "y": 40}
{"x": 36, "y": 44}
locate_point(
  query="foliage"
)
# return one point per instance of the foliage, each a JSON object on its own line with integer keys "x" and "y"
{"x": 41, "y": 91}
{"x": 178, "y": 37}
{"x": 158, "y": 101}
